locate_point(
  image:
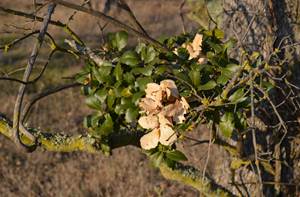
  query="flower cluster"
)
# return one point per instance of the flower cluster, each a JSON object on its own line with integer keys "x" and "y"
{"x": 163, "y": 107}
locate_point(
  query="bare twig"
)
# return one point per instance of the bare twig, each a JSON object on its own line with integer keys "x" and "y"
{"x": 254, "y": 138}
{"x": 124, "y": 5}
{"x": 182, "y": 16}
{"x": 31, "y": 61}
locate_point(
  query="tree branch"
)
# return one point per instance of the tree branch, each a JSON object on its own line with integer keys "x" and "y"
{"x": 31, "y": 61}
{"x": 64, "y": 143}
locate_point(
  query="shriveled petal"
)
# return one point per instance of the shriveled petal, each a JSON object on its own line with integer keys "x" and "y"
{"x": 163, "y": 120}
{"x": 154, "y": 91}
{"x": 197, "y": 42}
{"x": 170, "y": 88}
{"x": 149, "y": 105}
{"x": 150, "y": 140}
{"x": 167, "y": 135}
{"x": 148, "y": 122}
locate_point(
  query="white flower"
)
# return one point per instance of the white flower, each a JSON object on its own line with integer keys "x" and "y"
{"x": 160, "y": 118}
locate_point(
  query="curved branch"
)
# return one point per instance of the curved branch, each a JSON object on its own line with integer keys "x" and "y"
{"x": 64, "y": 143}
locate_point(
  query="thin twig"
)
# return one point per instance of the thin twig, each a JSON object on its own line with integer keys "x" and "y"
{"x": 124, "y": 5}
{"x": 113, "y": 21}
{"x": 44, "y": 94}
{"x": 254, "y": 138}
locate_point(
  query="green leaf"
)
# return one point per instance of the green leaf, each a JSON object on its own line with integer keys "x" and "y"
{"x": 183, "y": 53}
{"x": 131, "y": 114}
{"x": 141, "y": 82}
{"x": 130, "y": 58}
{"x": 227, "y": 125}
{"x": 118, "y": 40}
{"x": 102, "y": 74}
{"x": 148, "y": 54}
{"x": 230, "y": 70}
{"x": 222, "y": 79}
{"x": 195, "y": 77}
{"x": 118, "y": 72}
{"x": 101, "y": 94}
{"x": 129, "y": 78}
{"x": 126, "y": 92}
{"x": 140, "y": 47}
{"x": 111, "y": 99}
{"x": 147, "y": 70}
{"x": 107, "y": 126}
{"x": 176, "y": 155}
{"x": 93, "y": 102}
{"x": 237, "y": 96}
{"x": 121, "y": 39}
{"x": 87, "y": 121}
{"x": 208, "y": 86}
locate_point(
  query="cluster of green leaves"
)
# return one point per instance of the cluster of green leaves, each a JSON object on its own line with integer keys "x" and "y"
{"x": 114, "y": 88}
{"x": 166, "y": 154}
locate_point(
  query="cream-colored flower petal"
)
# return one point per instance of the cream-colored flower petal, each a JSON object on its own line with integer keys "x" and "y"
{"x": 197, "y": 42}
{"x": 148, "y": 122}
{"x": 167, "y": 135}
{"x": 149, "y": 105}
{"x": 163, "y": 120}
{"x": 185, "y": 104}
{"x": 150, "y": 140}
{"x": 154, "y": 91}
{"x": 170, "y": 88}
